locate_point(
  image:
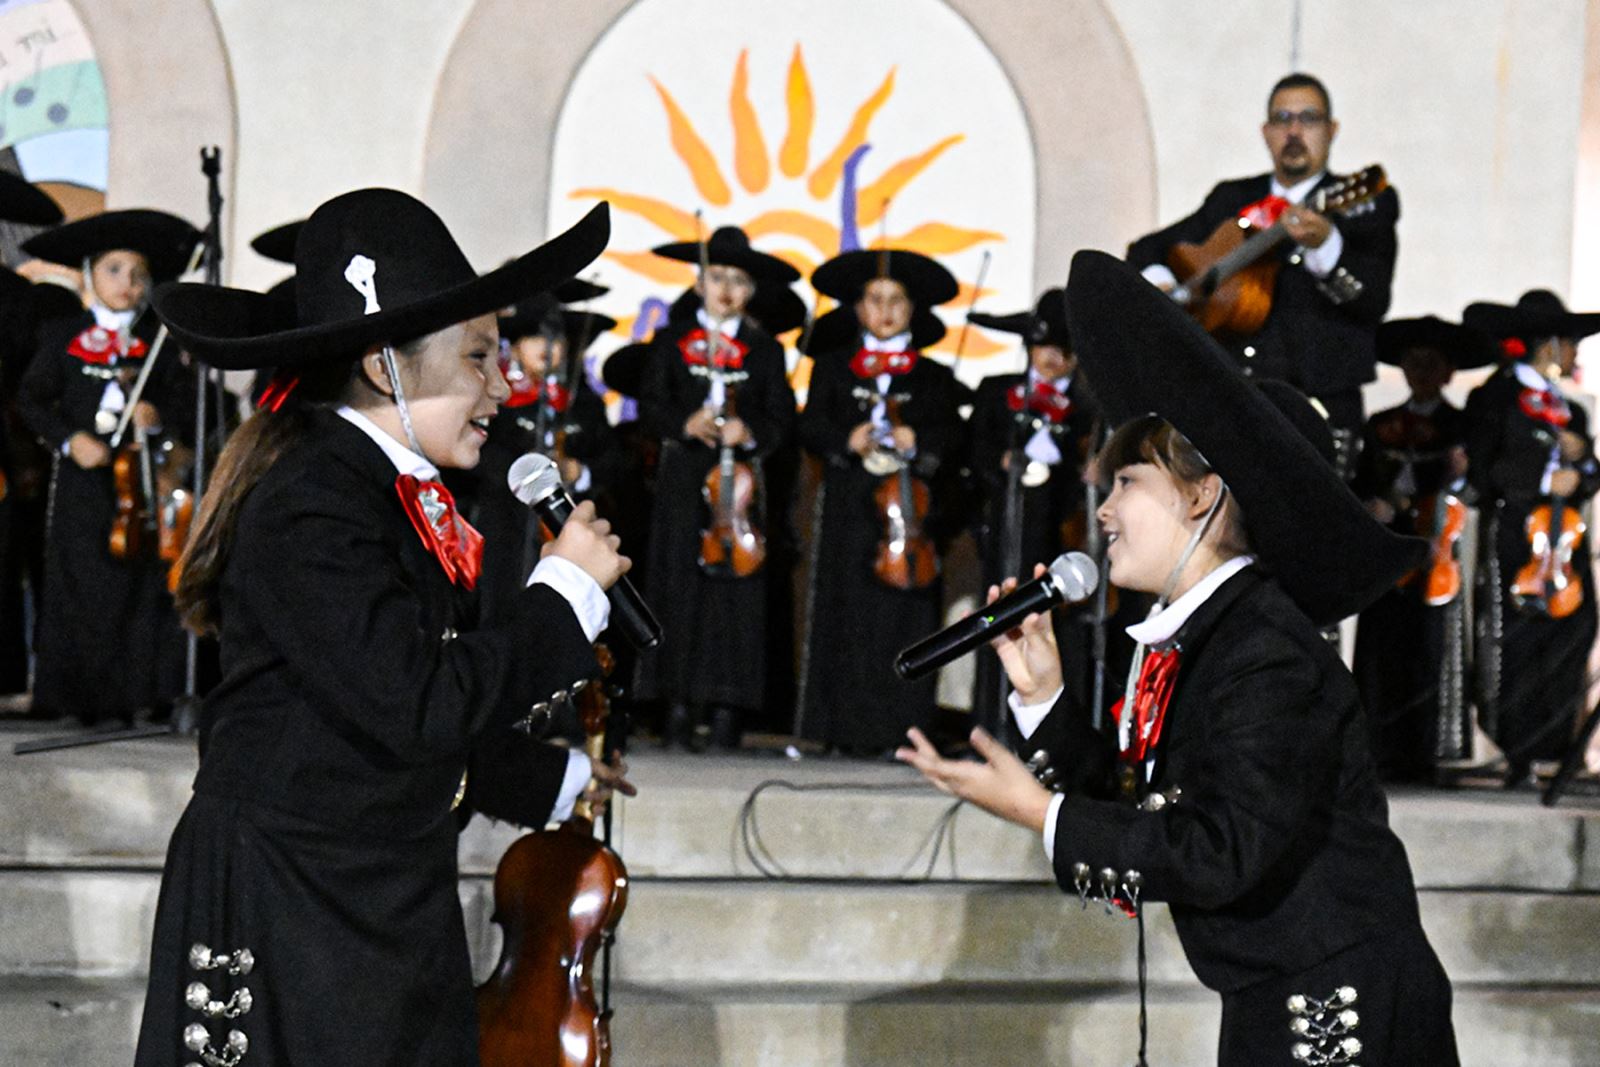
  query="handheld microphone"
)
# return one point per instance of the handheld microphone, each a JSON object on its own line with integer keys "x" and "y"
{"x": 535, "y": 481}
{"x": 1071, "y": 578}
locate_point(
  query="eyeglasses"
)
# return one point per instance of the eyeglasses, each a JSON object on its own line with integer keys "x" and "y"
{"x": 1309, "y": 117}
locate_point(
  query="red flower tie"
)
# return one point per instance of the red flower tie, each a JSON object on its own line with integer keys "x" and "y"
{"x": 1043, "y": 400}
{"x": 1546, "y": 405}
{"x": 1151, "y": 695}
{"x": 451, "y": 538}
{"x": 869, "y": 364}
{"x": 730, "y": 350}
{"x": 98, "y": 345}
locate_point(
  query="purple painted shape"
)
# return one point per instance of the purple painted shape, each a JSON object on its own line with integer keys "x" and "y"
{"x": 653, "y": 312}
{"x": 849, "y": 236}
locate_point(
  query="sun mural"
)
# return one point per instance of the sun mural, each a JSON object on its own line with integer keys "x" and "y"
{"x": 804, "y": 179}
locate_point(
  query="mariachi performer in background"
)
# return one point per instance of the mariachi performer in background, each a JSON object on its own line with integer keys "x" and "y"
{"x": 108, "y": 643}
{"x": 1532, "y": 464}
{"x": 882, "y": 419}
{"x": 1411, "y": 646}
{"x": 309, "y": 909}
{"x": 715, "y": 391}
{"x": 1031, "y": 433}
{"x": 552, "y": 409}
{"x": 1239, "y": 788}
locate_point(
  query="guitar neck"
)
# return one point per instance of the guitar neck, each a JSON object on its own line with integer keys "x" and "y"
{"x": 1254, "y": 247}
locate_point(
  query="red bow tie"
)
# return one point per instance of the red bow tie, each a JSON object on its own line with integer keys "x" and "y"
{"x": 554, "y": 393}
{"x": 98, "y": 345}
{"x": 1546, "y": 405}
{"x": 870, "y": 364}
{"x": 1043, "y": 399}
{"x": 1151, "y": 695}
{"x": 1264, "y": 212}
{"x": 730, "y": 350}
{"x": 451, "y": 538}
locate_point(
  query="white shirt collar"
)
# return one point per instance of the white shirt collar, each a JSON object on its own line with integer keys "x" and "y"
{"x": 1297, "y": 193}
{"x": 1060, "y": 385}
{"x": 1421, "y": 408}
{"x": 730, "y": 325}
{"x": 1164, "y": 624}
{"x": 115, "y": 321}
{"x": 1530, "y": 377}
{"x": 900, "y": 342}
{"x": 405, "y": 461}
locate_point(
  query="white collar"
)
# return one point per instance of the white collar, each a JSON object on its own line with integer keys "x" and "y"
{"x": 115, "y": 321}
{"x": 1165, "y": 623}
{"x": 405, "y": 461}
{"x": 1531, "y": 378}
{"x": 730, "y": 325}
{"x": 900, "y": 342}
{"x": 1296, "y": 193}
{"x": 1060, "y": 385}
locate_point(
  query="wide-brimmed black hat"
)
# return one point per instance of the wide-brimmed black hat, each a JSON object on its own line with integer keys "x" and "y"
{"x": 283, "y": 293}
{"x": 775, "y": 307}
{"x": 277, "y": 244}
{"x": 1463, "y": 346}
{"x": 372, "y": 266}
{"x": 840, "y": 331}
{"x": 165, "y": 241}
{"x": 1303, "y": 415}
{"x": 1146, "y": 355}
{"x": 623, "y": 369}
{"x": 844, "y": 276}
{"x": 22, "y": 201}
{"x": 1046, "y": 324}
{"x": 1537, "y": 314}
{"x": 729, "y": 246}
{"x": 528, "y": 317}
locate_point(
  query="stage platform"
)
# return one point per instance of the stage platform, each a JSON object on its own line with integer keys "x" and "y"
{"x": 819, "y": 912}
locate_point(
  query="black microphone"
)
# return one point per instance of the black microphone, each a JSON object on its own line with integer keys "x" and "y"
{"x": 536, "y": 482}
{"x": 1071, "y": 578}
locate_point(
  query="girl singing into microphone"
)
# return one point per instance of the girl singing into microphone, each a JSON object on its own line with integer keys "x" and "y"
{"x": 309, "y": 910}
{"x": 1239, "y": 788}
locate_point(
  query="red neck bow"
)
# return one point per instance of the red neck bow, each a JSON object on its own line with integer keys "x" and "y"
{"x": 870, "y": 364}
{"x": 1546, "y": 405}
{"x": 1151, "y": 695}
{"x": 530, "y": 390}
{"x": 1264, "y": 212}
{"x": 1042, "y": 399}
{"x": 451, "y": 539}
{"x": 730, "y": 350}
{"x": 98, "y": 345}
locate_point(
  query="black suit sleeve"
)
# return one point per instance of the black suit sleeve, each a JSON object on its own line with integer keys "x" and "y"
{"x": 515, "y": 779}
{"x": 818, "y": 428}
{"x": 39, "y": 397}
{"x": 663, "y": 406}
{"x": 1151, "y": 249}
{"x": 1363, "y": 279}
{"x": 765, "y": 401}
{"x": 1081, "y": 760}
{"x": 1251, "y": 800}
{"x": 335, "y": 605}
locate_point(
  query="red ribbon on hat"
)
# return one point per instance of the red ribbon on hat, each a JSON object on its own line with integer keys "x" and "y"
{"x": 1043, "y": 400}
{"x": 730, "y": 350}
{"x": 98, "y": 345}
{"x": 452, "y": 540}
{"x": 1545, "y": 405}
{"x": 277, "y": 392}
{"x": 870, "y": 364}
{"x": 1151, "y": 695}
{"x": 1264, "y": 212}
{"x": 1513, "y": 348}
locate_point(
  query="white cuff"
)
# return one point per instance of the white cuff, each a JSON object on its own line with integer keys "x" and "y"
{"x": 1042, "y": 448}
{"x": 588, "y": 600}
{"x": 584, "y": 481}
{"x": 1050, "y": 818}
{"x": 1321, "y": 260}
{"x": 1156, "y": 274}
{"x": 1029, "y": 716}
{"x": 573, "y": 783}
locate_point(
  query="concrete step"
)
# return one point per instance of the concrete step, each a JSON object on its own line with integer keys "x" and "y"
{"x": 93, "y": 1023}
{"x": 97, "y": 923}
{"x": 703, "y": 817}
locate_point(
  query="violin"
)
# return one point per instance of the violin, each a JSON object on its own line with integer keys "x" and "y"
{"x": 731, "y": 545}
{"x": 1440, "y": 518}
{"x": 1547, "y": 583}
{"x": 558, "y": 896}
{"x": 1227, "y": 281}
{"x": 154, "y": 508}
{"x": 906, "y": 556}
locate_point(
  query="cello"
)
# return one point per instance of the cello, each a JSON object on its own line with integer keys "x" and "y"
{"x": 558, "y": 895}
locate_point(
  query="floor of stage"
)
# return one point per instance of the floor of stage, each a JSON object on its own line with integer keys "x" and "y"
{"x": 817, "y": 911}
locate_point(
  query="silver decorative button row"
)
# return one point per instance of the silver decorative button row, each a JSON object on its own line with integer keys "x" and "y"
{"x": 197, "y": 1039}
{"x": 1106, "y": 886}
{"x": 201, "y": 958}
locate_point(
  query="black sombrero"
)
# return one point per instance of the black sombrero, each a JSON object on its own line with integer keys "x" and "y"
{"x": 277, "y": 244}
{"x": 1537, "y": 314}
{"x": 22, "y": 201}
{"x": 776, "y": 308}
{"x": 729, "y": 246}
{"x": 372, "y": 266}
{"x": 165, "y": 241}
{"x": 1146, "y": 355}
{"x": 1463, "y": 346}
{"x": 1046, "y": 324}
{"x": 528, "y": 317}
{"x": 840, "y": 331}
{"x": 844, "y": 276}
{"x": 623, "y": 370}
{"x": 283, "y": 294}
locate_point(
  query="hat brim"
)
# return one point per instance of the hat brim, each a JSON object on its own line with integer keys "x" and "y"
{"x": 165, "y": 240}
{"x": 777, "y": 309}
{"x": 1465, "y": 347}
{"x": 844, "y": 276}
{"x": 235, "y": 329}
{"x": 623, "y": 369}
{"x": 22, "y": 201}
{"x": 576, "y": 325}
{"x": 1144, "y": 354}
{"x": 277, "y": 244}
{"x": 839, "y": 330}
{"x": 760, "y": 266}
{"x": 1508, "y": 320}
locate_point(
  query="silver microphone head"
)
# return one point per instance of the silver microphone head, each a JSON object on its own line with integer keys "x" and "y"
{"x": 1074, "y": 575}
{"x": 533, "y": 478}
